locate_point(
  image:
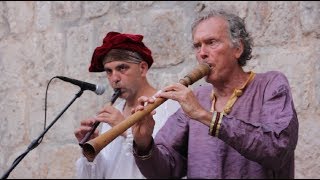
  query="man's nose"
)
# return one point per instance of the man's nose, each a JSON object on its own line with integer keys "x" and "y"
{"x": 115, "y": 77}
{"x": 203, "y": 52}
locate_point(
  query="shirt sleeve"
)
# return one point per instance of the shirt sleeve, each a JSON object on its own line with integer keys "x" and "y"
{"x": 90, "y": 170}
{"x": 269, "y": 137}
{"x": 104, "y": 162}
{"x": 169, "y": 150}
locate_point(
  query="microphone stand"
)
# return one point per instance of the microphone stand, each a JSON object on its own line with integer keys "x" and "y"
{"x": 37, "y": 141}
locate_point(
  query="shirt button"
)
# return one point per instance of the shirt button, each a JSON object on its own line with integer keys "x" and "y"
{"x": 238, "y": 92}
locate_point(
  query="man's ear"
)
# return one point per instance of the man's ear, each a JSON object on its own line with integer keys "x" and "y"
{"x": 239, "y": 50}
{"x": 143, "y": 68}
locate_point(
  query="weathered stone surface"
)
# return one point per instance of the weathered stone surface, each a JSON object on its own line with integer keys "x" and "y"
{"x": 309, "y": 17}
{"x": 78, "y": 53}
{"x": 129, "y": 6}
{"x": 4, "y": 25}
{"x": 43, "y": 18}
{"x": 96, "y": 8}
{"x": 238, "y": 7}
{"x": 308, "y": 149}
{"x": 165, "y": 45}
{"x": 40, "y": 40}
{"x": 67, "y": 10}
{"x": 273, "y": 23}
{"x": 20, "y": 16}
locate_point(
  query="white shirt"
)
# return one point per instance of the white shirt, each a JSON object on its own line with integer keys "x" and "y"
{"x": 115, "y": 161}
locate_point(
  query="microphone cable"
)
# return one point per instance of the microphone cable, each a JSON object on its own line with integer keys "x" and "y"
{"x": 34, "y": 144}
{"x": 45, "y": 106}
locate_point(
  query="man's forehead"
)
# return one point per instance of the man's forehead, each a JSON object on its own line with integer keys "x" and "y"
{"x": 116, "y": 63}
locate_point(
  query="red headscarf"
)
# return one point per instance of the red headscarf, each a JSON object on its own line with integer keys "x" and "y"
{"x": 115, "y": 40}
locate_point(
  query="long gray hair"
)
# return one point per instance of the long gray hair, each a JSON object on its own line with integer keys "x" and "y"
{"x": 237, "y": 31}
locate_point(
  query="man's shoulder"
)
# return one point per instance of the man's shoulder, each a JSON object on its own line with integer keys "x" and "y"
{"x": 271, "y": 73}
{"x": 272, "y": 76}
{"x": 273, "y": 82}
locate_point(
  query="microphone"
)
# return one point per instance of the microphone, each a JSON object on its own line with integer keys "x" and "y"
{"x": 84, "y": 85}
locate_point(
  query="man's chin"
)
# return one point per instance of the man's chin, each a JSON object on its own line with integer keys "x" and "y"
{"x": 124, "y": 94}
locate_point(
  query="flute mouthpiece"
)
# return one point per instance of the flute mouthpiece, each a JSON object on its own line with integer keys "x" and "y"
{"x": 197, "y": 73}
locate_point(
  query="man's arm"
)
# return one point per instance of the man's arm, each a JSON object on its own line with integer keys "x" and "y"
{"x": 165, "y": 157}
{"x": 272, "y": 139}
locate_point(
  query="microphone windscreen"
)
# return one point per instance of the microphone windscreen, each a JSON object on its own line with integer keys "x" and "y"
{"x": 100, "y": 89}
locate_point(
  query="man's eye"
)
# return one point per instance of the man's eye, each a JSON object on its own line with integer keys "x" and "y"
{"x": 196, "y": 46}
{"x": 213, "y": 42}
{"x": 122, "y": 68}
{"x": 108, "y": 72}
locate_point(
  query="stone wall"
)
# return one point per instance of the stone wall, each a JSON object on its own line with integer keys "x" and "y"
{"x": 43, "y": 39}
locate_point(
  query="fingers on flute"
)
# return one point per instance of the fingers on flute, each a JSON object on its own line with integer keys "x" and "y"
{"x": 95, "y": 134}
{"x": 78, "y": 134}
{"x": 108, "y": 109}
{"x": 137, "y": 108}
{"x": 81, "y": 132}
{"x": 172, "y": 87}
{"x": 88, "y": 122}
{"x": 144, "y": 99}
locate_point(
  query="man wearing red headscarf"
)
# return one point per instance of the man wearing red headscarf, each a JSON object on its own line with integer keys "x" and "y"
{"x": 126, "y": 61}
